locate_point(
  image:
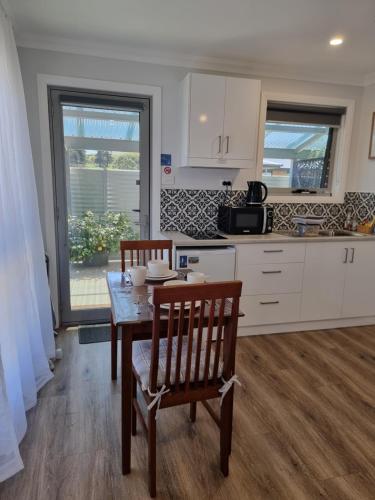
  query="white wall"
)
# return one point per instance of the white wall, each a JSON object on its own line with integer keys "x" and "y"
{"x": 362, "y": 176}
{"x": 34, "y": 62}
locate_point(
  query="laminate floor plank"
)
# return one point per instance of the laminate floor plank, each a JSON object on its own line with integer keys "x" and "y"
{"x": 365, "y": 333}
{"x": 344, "y": 364}
{"x": 304, "y": 428}
{"x": 351, "y": 487}
{"x": 310, "y": 366}
{"x": 319, "y": 446}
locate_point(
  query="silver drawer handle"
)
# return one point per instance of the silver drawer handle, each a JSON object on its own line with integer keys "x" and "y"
{"x": 227, "y": 148}
{"x": 273, "y": 251}
{"x": 269, "y": 302}
{"x": 271, "y": 272}
{"x": 220, "y": 139}
{"x": 346, "y": 255}
{"x": 352, "y": 257}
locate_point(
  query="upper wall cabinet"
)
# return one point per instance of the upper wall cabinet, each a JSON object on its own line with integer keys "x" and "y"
{"x": 219, "y": 121}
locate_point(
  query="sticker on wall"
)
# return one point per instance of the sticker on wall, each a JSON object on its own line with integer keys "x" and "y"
{"x": 167, "y": 177}
{"x": 166, "y": 159}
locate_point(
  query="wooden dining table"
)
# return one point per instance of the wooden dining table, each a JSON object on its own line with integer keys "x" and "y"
{"x": 132, "y": 313}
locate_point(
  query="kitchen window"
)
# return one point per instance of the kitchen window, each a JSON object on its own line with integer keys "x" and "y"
{"x": 299, "y": 148}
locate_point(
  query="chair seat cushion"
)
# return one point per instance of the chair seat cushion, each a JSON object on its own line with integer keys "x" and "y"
{"x": 142, "y": 361}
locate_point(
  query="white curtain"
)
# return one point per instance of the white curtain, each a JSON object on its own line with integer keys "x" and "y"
{"x": 26, "y": 333}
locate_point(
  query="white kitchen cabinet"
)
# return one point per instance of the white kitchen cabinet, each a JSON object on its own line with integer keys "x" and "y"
{"x": 323, "y": 281}
{"x": 359, "y": 291}
{"x": 270, "y": 309}
{"x": 269, "y": 253}
{"x": 306, "y": 281}
{"x": 272, "y": 276}
{"x": 207, "y": 94}
{"x": 241, "y": 118}
{"x": 339, "y": 280}
{"x": 260, "y": 279}
{"x": 220, "y": 120}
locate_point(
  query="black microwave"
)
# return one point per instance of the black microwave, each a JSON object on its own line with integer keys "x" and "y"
{"x": 245, "y": 220}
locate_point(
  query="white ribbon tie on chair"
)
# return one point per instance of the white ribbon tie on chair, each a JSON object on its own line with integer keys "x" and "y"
{"x": 227, "y": 385}
{"x": 157, "y": 398}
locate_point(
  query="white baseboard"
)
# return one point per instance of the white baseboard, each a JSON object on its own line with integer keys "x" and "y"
{"x": 244, "y": 331}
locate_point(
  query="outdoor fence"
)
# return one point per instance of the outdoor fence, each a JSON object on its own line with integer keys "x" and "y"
{"x": 101, "y": 190}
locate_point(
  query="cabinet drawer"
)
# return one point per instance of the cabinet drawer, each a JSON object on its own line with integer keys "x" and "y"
{"x": 269, "y": 253}
{"x": 260, "y": 279}
{"x": 270, "y": 309}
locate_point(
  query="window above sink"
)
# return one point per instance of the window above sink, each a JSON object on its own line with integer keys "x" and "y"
{"x": 303, "y": 157}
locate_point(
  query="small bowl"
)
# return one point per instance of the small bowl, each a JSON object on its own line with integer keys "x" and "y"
{"x": 158, "y": 267}
{"x": 196, "y": 277}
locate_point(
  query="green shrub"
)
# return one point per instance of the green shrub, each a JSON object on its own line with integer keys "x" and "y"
{"x": 91, "y": 234}
{"x": 125, "y": 161}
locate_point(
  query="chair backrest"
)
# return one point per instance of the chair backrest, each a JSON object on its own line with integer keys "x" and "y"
{"x": 213, "y": 305}
{"x": 141, "y": 251}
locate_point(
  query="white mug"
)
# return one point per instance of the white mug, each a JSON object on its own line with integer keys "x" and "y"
{"x": 138, "y": 275}
{"x": 196, "y": 277}
{"x": 158, "y": 267}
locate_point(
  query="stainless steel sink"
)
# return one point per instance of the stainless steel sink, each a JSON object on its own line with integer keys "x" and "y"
{"x": 339, "y": 232}
{"x": 329, "y": 233}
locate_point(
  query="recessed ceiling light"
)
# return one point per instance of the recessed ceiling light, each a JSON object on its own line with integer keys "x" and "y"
{"x": 337, "y": 40}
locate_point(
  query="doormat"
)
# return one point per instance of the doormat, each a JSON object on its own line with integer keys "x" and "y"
{"x": 92, "y": 334}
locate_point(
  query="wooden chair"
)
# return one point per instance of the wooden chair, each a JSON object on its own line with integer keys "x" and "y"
{"x": 183, "y": 363}
{"x": 139, "y": 252}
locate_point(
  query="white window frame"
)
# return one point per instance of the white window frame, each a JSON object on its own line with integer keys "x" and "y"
{"x": 342, "y": 150}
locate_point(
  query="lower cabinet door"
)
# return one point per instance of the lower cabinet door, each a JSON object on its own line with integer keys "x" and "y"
{"x": 359, "y": 293}
{"x": 323, "y": 281}
{"x": 270, "y": 309}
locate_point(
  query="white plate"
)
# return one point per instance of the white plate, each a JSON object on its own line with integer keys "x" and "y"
{"x": 175, "y": 283}
{"x": 169, "y": 276}
{"x": 177, "y": 305}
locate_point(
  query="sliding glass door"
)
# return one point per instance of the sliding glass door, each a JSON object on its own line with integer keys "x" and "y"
{"x": 101, "y": 158}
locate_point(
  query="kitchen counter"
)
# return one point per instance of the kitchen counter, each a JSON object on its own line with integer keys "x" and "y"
{"x": 180, "y": 239}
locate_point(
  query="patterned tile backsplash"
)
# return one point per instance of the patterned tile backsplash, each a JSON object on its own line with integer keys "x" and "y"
{"x": 195, "y": 209}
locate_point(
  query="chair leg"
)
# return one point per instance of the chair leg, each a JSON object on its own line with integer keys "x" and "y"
{"x": 113, "y": 351}
{"x": 231, "y": 423}
{"x": 152, "y": 452}
{"x": 193, "y": 411}
{"x": 226, "y": 431}
{"x": 134, "y": 412}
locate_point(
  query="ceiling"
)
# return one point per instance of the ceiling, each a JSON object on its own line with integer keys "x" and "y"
{"x": 275, "y": 37}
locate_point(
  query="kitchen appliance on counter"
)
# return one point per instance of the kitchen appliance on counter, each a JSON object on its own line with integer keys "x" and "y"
{"x": 245, "y": 220}
{"x": 255, "y": 194}
{"x": 217, "y": 263}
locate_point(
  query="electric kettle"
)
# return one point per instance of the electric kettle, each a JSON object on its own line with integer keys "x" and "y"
{"x": 255, "y": 194}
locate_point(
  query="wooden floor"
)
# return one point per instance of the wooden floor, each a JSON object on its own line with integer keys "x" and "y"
{"x": 304, "y": 428}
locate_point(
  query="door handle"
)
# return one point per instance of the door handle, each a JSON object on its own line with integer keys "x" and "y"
{"x": 268, "y": 303}
{"x": 273, "y": 251}
{"x": 136, "y": 210}
{"x": 352, "y": 257}
{"x": 227, "y": 148}
{"x": 346, "y": 255}
{"x": 220, "y": 139}
{"x": 271, "y": 272}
